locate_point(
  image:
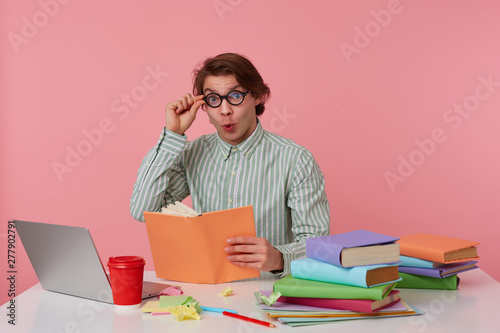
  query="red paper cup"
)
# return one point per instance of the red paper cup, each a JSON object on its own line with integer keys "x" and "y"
{"x": 126, "y": 275}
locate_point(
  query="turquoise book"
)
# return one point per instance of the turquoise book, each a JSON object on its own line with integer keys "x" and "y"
{"x": 360, "y": 276}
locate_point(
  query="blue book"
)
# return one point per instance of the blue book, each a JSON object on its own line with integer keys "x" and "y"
{"x": 359, "y": 276}
{"x": 354, "y": 248}
{"x": 416, "y": 262}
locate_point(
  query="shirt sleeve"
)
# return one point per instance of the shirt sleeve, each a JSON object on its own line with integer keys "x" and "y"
{"x": 309, "y": 206}
{"x": 161, "y": 178}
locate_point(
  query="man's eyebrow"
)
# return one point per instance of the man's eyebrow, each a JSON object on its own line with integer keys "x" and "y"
{"x": 230, "y": 89}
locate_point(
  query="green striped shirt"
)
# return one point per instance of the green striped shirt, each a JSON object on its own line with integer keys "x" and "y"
{"x": 278, "y": 177}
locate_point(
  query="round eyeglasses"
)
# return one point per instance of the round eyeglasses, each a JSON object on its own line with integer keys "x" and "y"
{"x": 234, "y": 97}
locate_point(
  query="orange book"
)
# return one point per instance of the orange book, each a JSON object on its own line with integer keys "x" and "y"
{"x": 437, "y": 248}
{"x": 191, "y": 249}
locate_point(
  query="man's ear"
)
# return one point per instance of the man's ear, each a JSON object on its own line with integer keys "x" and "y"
{"x": 257, "y": 100}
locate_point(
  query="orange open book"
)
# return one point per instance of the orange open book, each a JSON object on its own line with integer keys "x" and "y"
{"x": 191, "y": 249}
{"x": 437, "y": 248}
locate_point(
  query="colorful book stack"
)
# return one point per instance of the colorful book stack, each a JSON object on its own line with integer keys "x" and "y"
{"x": 345, "y": 276}
{"x": 433, "y": 261}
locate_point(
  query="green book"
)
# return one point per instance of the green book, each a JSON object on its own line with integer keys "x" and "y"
{"x": 293, "y": 287}
{"x": 427, "y": 282}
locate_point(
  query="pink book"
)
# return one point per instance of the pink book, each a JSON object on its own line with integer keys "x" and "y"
{"x": 359, "y": 305}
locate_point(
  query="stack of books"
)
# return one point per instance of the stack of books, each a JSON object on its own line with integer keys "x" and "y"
{"x": 434, "y": 262}
{"x": 345, "y": 276}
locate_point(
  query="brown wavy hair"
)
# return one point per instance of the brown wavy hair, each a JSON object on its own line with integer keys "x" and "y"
{"x": 233, "y": 64}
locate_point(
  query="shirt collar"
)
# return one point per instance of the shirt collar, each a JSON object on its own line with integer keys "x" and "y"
{"x": 246, "y": 147}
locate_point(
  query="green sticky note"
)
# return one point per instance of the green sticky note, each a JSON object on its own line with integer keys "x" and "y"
{"x": 271, "y": 299}
{"x": 179, "y": 300}
{"x": 194, "y": 304}
{"x": 173, "y": 300}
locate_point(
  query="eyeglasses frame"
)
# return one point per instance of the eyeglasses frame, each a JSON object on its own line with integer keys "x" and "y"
{"x": 225, "y": 97}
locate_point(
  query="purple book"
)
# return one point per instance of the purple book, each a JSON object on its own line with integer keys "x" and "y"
{"x": 441, "y": 272}
{"x": 354, "y": 248}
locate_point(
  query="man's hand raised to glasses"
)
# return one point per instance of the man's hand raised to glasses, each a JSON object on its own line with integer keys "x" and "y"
{"x": 180, "y": 114}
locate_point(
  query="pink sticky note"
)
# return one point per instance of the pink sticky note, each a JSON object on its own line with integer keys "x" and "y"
{"x": 170, "y": 291}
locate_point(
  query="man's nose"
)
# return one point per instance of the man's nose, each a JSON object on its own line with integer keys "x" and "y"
{"x": 225, "y": 108}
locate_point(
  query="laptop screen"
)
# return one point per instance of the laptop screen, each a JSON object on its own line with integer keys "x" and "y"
{"x": 65, "y": 259}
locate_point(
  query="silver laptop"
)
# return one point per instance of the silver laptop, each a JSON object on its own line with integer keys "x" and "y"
{"x": 66, "y": 261}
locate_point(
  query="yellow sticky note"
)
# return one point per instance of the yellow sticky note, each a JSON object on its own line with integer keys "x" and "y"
{"x": 183, "y": 312}
{"x": 226, "y": 292}
{"x": 153, "y": 306}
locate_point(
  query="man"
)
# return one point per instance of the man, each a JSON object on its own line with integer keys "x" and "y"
{"x": 239, "y": 165}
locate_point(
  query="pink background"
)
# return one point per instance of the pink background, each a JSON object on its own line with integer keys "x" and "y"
{"x": 374, "y": 89}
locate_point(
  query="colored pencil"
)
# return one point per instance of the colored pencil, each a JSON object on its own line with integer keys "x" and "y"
{"x": 251, "y": 320}
{"x": 212, "y": 309}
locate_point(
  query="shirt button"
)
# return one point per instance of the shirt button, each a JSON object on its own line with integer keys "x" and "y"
{"x": 233, "y": 173}
{"x": 234, "y": 149}
{"x": 229, "y": 200}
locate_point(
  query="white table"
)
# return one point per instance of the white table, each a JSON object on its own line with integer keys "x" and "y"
{"x": 473, "y": 308}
